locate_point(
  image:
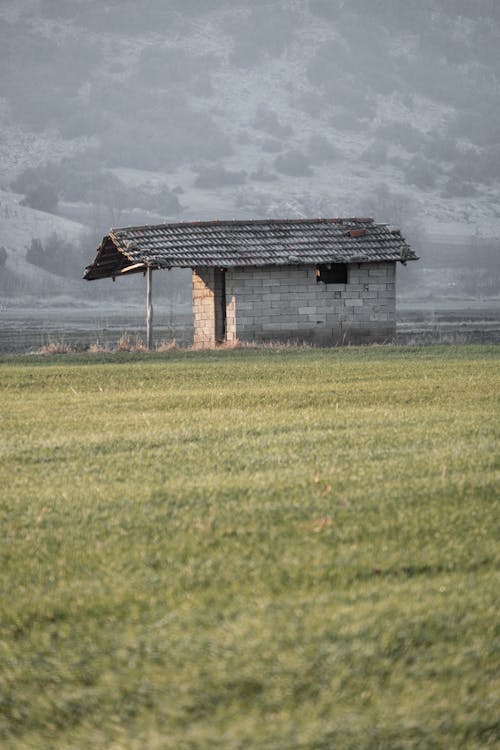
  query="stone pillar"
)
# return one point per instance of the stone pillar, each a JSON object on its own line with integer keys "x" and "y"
{"x": 209, "y": 307}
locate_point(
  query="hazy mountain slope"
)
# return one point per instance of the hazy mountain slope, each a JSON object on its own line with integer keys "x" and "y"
{"x": 19, "y": 225}
{"x": 204, "y": 109}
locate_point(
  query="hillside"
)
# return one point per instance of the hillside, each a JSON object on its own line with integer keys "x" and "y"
{"x": 19, "y": 225}
{"x": 114, "y": 114}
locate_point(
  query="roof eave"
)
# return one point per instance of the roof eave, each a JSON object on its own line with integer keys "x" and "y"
{"x": 103, "y": 268}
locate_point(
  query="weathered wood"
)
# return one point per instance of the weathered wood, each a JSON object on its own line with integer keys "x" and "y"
{"x": 134, "y": 267}
{"x": 149, "y": 308}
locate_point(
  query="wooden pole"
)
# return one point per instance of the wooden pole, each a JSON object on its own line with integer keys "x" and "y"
{"x": 149, "y": 309}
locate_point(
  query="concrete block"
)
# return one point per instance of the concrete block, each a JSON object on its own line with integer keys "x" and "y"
{"x": 378, "y": 272}
{"x": 354, "y": 288}
{"x": 351, "y": 295}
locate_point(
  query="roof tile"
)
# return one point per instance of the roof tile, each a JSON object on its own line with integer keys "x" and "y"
{"x": 248, "y": 243}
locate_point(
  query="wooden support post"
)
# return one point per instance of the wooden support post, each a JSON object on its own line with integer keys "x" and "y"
{"x": 149, "y": 309}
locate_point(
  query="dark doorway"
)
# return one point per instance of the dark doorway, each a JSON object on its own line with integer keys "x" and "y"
{"x": 220, "y": 304}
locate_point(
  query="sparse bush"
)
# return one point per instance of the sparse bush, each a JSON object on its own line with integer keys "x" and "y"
{"x": 83, "y": 179}
{"x": 422, "y": 173}
{"x": 162, "y": 200}
{"x": 266, "y": 119}
{"x": 264, "y": 30}
{"x": 57, "y": 347}
{"x": 57, "y": 256}
{"x": 41, "y": 196}
{"x": 218, "y": 176}
{"x": 402, "y": 134}
{"x": 441, "y": 148}
{"x": 167, "y": 346}
{"x": 477, "y": 165}
{"x": 320, "y": 150}
{"x": 376, "y": 153}
{"x": 126, "y": 344}
{"x": 96, "y": 348}
{"x": 326, "y": 71}
{"x": 293, "y": 163}
{"x": 327, "y": 9}
{"x": 310, "y": 102}
{"x": 244, "y": 55}
{"x": 41, "y": 76}
{"x": 83, "y": 120}
{"x": 263, "y": 175}
{"x": 457, "y": 188}
{"x": 35, "y": 254}
{"x": 271, "y": 146}
{"x": 161, "y": 66}
{"x": 3, "y": 257}
{"x": 346, "y": 120}
{"x": 170, "y": 134}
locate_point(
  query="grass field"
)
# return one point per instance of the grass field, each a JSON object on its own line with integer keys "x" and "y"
{"x": 271, "y": 549}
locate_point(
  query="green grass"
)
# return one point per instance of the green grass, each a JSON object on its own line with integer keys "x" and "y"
{"x": 250, "y": 549}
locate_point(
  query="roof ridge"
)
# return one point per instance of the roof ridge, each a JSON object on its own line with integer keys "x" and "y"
{"x": 246, "y": 222}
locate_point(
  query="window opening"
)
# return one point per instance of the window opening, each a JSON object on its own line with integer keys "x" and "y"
{"x": 332, "y": 273}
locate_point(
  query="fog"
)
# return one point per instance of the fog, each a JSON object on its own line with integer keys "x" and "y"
{"x": 116, "y": 113}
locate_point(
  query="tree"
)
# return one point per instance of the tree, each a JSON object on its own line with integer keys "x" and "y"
{"x": 35, "y": 253}
{"x": 41, "y": 196}
{"x": 58, "y": 256}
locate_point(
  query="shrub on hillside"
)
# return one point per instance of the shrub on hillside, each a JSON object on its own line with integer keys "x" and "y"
{"x": 481, "y": 166}
{"x": 263, "y": 175}
{"x": 162, "y": 66}
{"x": 271, "y": 145}
{"x": 422, "y": 173}
{"x": 344, "y": 119}
{"x": 458, "y": 188}
{"x": 57, "y": 255}
{"x": 329, "y": 71}
{"x": 293, "y": 163}
{"x": 320, "y": 150}
{"x": 376, "y": 153}
{"x": 265, "y": 29}
{"x": 41, "y": 196}
{"x": 218, "y": 176}
{"x": 83, "y": 179}
{"x": 402, "y": 134}
{"x": 168, "y": 136}
{"x": 266, "y": 119}
{"x": 244, "y": 55}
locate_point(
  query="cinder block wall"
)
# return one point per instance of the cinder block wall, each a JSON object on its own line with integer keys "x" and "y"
{"x": 286, "y": 303}
{"x": 208, "y": 307}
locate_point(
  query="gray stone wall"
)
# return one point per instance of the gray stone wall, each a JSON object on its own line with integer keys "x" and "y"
{"x": 286, "y": 303}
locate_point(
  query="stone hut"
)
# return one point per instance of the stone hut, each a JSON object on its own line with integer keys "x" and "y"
{"x": 324, "y": 281}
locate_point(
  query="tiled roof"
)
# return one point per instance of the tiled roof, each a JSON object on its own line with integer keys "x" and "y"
{"x": 247, "y": 243}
